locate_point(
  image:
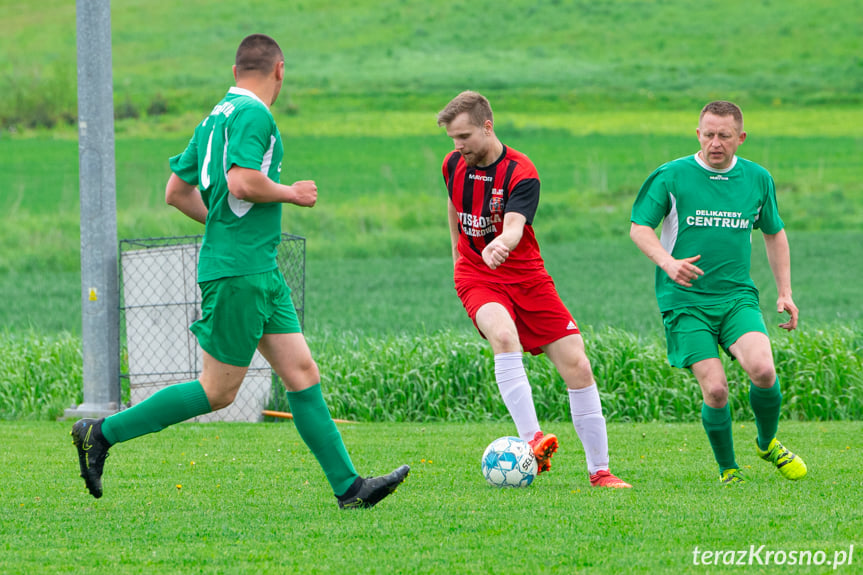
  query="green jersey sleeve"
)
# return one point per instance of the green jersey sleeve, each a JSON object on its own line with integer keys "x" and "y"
{"x": 769, "y": 221}
{"x": 185, "y": 165}
{"x": 252, "y": 140}
{"x": 652, "y": 203}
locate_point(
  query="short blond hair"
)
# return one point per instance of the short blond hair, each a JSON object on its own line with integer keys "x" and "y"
{"x": 475, "y": 104}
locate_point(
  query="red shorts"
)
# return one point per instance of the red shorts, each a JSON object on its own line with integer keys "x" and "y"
{"x": 539, "y": 315}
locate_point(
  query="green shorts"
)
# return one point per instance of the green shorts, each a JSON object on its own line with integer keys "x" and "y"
{"x": 237, "y": 311}
{"x": 693, "y": 334}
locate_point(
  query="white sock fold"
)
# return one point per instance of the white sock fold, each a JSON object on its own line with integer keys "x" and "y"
{"x": 586, "y": 410}
{"x": 516, "y": 392}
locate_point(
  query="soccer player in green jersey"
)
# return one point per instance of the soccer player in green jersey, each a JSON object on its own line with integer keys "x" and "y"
{"x": 708, "y": 204}
{"x": 228, "y": 179}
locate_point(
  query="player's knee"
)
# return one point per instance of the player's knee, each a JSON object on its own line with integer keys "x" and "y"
{"x": 311, "y": 372}
{"x": 582, "y": 363}
{"x": 220, "y": 399}
{"x": 504, "y": 339}
{"x": 301, "y": 376}
{"x": 579, "y": 366}
{"x": 762, "y": 373}
{"x": 576, "y": 371}
{"x": 716, "y": 394}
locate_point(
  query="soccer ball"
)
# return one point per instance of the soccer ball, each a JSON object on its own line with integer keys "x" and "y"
{"x": 509, "y": 462}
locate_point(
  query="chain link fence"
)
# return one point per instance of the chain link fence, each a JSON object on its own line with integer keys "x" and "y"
{"x": 160, "y": 299}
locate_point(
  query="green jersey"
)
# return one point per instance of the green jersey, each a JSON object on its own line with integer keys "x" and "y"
{"x": 240, "y": 237}
{"x": 712, "y": 213}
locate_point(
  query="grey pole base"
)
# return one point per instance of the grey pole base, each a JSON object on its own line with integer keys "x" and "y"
{"x": 93, "y": 410}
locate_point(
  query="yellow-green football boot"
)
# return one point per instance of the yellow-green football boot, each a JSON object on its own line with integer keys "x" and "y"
{"x": 788, "y": 464}
{"x": 731, "y": 477}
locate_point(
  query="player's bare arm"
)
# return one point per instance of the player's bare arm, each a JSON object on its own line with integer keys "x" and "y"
{"x": 452, "y": 216}
{"x": 779, "y": 258}
{"x": 497, "y": 251}
{"x": 254, "y": 186}
{"x": 682, "y": 271}
{"x": 186, "y": 198}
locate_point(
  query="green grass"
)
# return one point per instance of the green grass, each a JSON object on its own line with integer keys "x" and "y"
{"x": 598, "y": 94}
{"x": 239, "y": 498}
{"x": 409, "y": 54}
{"x": 449, "y": 376}
{"x": 385, "y": 196}
{"x": 604, "y": 283}
{"x": 40, "y": 375}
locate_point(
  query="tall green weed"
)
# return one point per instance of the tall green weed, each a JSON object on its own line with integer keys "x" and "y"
{"x": 449, "y": 376}
{"x": 823, "y": 371}
{"x": 40, "y": 375}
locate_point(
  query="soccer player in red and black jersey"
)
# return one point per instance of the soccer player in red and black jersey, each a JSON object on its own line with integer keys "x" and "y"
{"x": 501, "y": 280}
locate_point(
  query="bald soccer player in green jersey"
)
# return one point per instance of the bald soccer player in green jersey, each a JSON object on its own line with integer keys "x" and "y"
{"x": 228, "y": 179}
{"x": 708, "y": 205}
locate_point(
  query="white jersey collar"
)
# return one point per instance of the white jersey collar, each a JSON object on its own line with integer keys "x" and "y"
{"x": 243, "y": 92}
{"x": 704, "y": 165}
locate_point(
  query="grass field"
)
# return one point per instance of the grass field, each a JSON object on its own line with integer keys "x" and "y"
{"x": 449, "y": 376}
{"x": 598, "y": 94}
{"x": 406, "y": 54}
{"x": 241, "y": 498}
{"x": 605, "y": 282}
{"x": 384, "y": 197}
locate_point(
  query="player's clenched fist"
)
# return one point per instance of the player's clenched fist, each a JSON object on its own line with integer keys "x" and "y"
{"x": 305, "y": 193}
{"x": 494, "y": 254}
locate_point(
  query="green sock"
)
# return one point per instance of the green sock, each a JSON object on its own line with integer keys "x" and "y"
{"x": 318, "y": 430}
{"x": 167, "y": 406}
{"x": 765, "y": 405}
{"x": 717, "y": 424}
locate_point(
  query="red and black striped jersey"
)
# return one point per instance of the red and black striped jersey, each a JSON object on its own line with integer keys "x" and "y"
{"x": 482, "y": 196}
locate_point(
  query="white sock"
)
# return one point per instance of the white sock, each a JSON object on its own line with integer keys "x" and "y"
{"x": 586, "y": 410}
{"x": 516, "y": 392}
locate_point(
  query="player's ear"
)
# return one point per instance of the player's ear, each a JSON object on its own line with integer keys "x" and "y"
{"x": 280, "y": 71}
{"x": 742, "y": 137}
{"x": 234, "y": 70}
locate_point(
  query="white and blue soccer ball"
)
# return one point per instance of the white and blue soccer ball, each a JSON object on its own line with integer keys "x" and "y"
{"x": 509, "y": 462}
